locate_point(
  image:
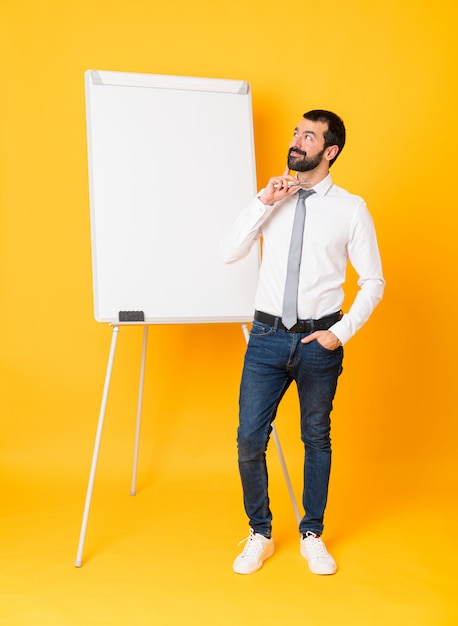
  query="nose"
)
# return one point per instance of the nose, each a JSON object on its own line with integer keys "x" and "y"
{"x": 296, "y": 142}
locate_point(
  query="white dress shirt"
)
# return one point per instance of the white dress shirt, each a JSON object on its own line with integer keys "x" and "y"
{"x": 338, "y": 228}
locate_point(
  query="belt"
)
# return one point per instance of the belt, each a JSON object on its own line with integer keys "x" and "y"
{"x": 301, "y": 326}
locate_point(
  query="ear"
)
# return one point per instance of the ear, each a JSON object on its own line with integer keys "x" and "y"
{"x": 331, "y": 152}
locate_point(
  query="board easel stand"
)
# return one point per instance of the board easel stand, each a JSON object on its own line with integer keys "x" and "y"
{"x": 98, "y": 438}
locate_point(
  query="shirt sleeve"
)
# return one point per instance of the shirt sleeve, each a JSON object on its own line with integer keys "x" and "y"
{"x": 363, "y": 253}
{"x": 245, "y": 231}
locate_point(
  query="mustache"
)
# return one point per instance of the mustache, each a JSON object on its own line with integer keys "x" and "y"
{"x": 301, "y": 152}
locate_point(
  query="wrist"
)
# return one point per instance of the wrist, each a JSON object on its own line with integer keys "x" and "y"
{"x": 265, "y": 201}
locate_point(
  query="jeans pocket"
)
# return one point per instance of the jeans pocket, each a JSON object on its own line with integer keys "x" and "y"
{"x": 325, "y": 350}
{"x": 259, "y": 329}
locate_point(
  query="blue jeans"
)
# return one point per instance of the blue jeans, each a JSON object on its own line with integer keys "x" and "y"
{"x": 274, "y": 358}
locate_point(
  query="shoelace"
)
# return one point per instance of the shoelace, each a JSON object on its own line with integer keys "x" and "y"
{"x": 253, "y": 545}
{"x": 316, "y": 545}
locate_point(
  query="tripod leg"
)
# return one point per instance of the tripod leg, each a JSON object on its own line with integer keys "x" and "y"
{"x": 133, "y": 488}
{"x": 95, "y": 453}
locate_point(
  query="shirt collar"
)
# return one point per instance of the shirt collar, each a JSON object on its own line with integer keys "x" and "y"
{"x": 322, "y": 187}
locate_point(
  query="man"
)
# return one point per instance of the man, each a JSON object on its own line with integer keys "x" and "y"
{"x": 338, "y": 228}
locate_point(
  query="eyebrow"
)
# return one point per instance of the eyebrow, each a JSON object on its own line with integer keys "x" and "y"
{"x": 306, "y": 132}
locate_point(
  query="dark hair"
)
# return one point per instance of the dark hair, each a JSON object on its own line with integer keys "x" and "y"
{"x": 335, "y": 135}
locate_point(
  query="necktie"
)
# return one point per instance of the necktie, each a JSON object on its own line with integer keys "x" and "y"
{"x": 289, "y": 314}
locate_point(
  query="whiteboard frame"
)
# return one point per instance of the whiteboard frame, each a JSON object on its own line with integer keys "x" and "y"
{"x": 236, "y": 276}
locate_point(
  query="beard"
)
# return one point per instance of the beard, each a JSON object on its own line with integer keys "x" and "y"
{"x": 303, "y": 163}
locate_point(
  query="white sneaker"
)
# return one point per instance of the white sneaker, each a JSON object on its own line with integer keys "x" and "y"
{"x": 319, "y": 559}
{"x": 257, "y": 549}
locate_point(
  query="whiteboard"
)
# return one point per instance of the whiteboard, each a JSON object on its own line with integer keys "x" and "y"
{"x": 171, "y": 164}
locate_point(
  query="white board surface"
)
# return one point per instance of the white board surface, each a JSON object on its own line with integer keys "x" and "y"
{"x": 171, "y": 164}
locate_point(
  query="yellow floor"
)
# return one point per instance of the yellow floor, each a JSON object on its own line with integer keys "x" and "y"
{"x": 164, "y": 556}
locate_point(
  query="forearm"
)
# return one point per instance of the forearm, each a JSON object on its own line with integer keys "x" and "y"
{"x": 366, "y": 300}
{"x": 247, "y": 228}
{"x": 245, "y": 231}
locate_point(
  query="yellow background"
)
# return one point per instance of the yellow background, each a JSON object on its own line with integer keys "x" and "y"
{"x": 389, "y": 69}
